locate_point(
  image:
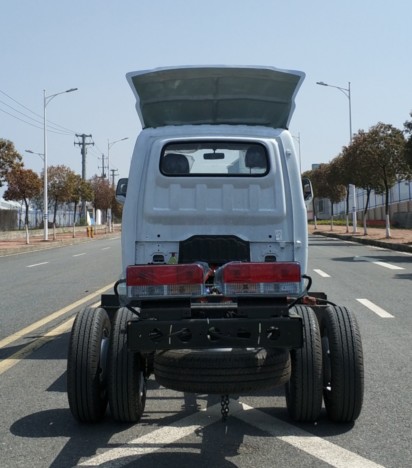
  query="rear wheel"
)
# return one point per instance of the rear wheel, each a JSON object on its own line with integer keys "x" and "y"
{"x": 343, "y": 376}
{"x": 221, "y": 371}
{"x": 126, "y": 380}
{"x": 304, "y": 390}
{"x": 86, "y": 365}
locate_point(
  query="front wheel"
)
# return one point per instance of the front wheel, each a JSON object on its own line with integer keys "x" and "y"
{"x": 343, "y": 375}
{"x": 86, "y": 364}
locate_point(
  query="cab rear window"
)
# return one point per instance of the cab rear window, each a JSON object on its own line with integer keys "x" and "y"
{"x": 214, "y": 158}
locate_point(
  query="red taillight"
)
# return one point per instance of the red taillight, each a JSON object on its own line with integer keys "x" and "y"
{"x": 165, "y": 280}
{"x": 277, "y": 278}
{"x": 277, "y": 272}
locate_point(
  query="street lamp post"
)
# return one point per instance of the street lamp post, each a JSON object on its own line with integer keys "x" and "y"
{"x": 46, "y": 100}
{"x": 297, "y": 138}
{"x": 42, "y": 158}
{"x": 33, "y": 152}
{"x": 347, "y": 93}
{"x": 109, "y": 145}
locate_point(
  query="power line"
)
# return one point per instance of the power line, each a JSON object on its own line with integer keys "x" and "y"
{"x": 55, "y": 130}
{"x": 58, "y": 127}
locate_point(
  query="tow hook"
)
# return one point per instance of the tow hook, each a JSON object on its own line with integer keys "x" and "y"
{"x": 225, "y": 407}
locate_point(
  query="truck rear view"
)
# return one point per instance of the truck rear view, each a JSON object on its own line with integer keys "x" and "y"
{"x": 214, "y": 295}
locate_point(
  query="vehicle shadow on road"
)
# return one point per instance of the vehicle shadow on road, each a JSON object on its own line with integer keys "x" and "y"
{"x": 213, "y": 445}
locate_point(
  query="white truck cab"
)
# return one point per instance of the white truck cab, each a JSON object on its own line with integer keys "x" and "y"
{"x": 214, "y": 293}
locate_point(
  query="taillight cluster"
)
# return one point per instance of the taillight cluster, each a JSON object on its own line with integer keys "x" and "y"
{"x": 273, "y": 279}
{"x": 146, "y": 281}
{"x": 232, "y": 279}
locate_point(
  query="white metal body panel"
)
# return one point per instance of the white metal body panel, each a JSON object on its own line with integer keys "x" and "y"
{"x": 267, "y": 211}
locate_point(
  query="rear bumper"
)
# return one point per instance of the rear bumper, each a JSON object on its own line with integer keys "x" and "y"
{"x": 275, "y": 332}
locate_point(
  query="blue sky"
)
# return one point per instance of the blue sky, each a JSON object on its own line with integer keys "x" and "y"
{"x": 92, "y": 44}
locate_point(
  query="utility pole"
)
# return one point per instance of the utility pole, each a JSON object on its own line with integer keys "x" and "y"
{"x": 114, "y": 173}
{"x": 103, "y": 167}
{"x": 83, "y": 150}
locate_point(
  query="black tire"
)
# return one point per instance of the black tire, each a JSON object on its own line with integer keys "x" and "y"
{"x": 221, "y": 372}
{"x": 86, "y": 365}
{"x": 304, "y": 390}
{"x": 343, "y": 375}
{"x": 126, "y": 380}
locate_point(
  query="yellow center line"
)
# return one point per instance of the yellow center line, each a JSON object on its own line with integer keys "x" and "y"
{"x": 51, "y": 317}
{"x": 15, "y": 358}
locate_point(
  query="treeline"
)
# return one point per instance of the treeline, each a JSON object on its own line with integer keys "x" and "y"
{"x": 63, "y": 186}
{"x": 374, "y": 161}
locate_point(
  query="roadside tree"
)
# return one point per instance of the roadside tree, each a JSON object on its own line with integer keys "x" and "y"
{"x": 104, "y": 194}
{"x": 23, "y": 185}
{"x": 387, "y": 146}
{"x": 80, "y": 190}
{"x": 9, "y": 159}
{"x": 408, "y": 144}
{"x": 358, "y": 159}
{"x": 327, "y": 183}
{"x": 59, "y": 187}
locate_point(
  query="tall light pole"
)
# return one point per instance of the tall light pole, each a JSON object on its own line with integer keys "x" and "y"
{"x": 42, "y": 158}
{"x": 347, "y": 93}
{"x": 109, "y": 145}
{"x": 46, "y": 100}
{"x": 297, "y": 138}
{"x": 33, "y": 152}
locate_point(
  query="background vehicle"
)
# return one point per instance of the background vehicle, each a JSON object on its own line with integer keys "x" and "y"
{"x": 214, "y": 295}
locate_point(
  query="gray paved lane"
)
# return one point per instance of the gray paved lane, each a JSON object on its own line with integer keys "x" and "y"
{"x": 36, "y": 424}
{"x": 35, "y": 284}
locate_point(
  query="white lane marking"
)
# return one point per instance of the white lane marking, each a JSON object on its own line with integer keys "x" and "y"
{"x": 36, "y": 264}
{"x": 322, "y": 449}
{"x": 80, "y": 254}
{"x": 154, "y": 441}
{"x": 157, "y": 439}
{"x": 389, "y": 265}
{"x": 321, "y": 273}
{"x": 376, "y": 262}
{"x": 105, "y": 248}
{"x": 34, "y": 326}
{"x": 15, "y": 358}
{"x": 374, "y": 308}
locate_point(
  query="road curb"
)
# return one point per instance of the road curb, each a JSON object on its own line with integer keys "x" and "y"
{"x": 376, "y": 243}
{"x": 47, "y": 245}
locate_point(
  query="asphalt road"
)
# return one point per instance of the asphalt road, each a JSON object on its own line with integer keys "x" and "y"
{"x": 37, "y": 429}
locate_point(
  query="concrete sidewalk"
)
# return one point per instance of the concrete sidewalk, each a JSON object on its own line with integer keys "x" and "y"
{"x": 12, "y": 243}
{"x": 401, "y": 239}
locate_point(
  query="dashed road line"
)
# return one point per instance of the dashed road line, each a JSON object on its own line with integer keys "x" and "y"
{"x": 34, "y": 326}
{"x": 105, "y": 248}
{"x": 36, "y": 264}
{"x": 377, "y": 262}
{"x": 328, "y": 452}
{"x": 375, "y": 308}
{"x": 298, "y": 438}
{"x": 15, "y": 358}
{"x": 79, "y": 254}
{"x": 321, "y": 273}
